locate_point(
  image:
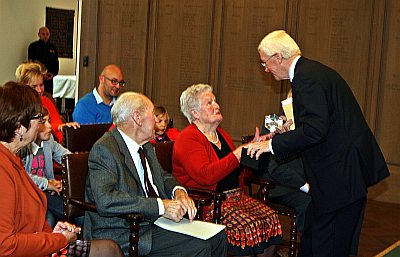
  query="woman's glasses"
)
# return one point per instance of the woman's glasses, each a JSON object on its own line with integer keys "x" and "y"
{"x": 39, "y": 117}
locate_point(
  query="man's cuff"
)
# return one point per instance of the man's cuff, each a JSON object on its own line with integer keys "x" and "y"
{"x": 161, "y": 209}
{"x": 305, "y": 188}
{"x": 176, "y": 188}
{"x": 270, "y": 146}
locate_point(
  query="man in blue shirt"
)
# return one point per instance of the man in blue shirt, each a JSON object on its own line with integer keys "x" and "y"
{"x": 95, "y": 107}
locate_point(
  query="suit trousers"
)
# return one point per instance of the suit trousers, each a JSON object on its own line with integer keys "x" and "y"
{"x": 332, "y": 234}
{"x": 166, "y": 243}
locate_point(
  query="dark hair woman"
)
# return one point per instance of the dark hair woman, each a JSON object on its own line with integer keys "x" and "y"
{"x": 23, "y": 227}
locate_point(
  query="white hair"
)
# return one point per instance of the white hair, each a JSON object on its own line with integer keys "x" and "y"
{"x": 190, "y": 99}
{"x": 127, "y": 103}
{"x": 279, "y": 41}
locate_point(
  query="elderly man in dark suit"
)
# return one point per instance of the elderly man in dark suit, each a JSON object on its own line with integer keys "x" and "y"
{"x": 340, "y": 154}
{"x": 118, "y": 183}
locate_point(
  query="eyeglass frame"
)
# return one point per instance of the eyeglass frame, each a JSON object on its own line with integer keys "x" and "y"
{"x": 40, "y": 117}
{"x": 121, "y": 83}
{"x": 264, "y": 64}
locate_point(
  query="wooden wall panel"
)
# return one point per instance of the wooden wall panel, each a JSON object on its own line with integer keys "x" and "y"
{"x": 245, "y": 92}
{"x": 122, "y": 39}
{"x": 338, "y": 34}
{"x": 389, "y": 105}
{"x": 182, "y": 50}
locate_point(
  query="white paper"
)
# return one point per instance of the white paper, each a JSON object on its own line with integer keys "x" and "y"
{"x": 198, "y": 229}
{"x": 287, "y": 106}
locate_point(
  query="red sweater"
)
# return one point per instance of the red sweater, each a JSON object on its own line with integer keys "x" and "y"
{"x": 195, "y": 163}
{"x": 55, "y": 119}
{"x": 23, "y": 227}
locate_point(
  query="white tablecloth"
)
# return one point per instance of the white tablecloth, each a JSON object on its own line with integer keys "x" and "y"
{"x": 64, "y": 86}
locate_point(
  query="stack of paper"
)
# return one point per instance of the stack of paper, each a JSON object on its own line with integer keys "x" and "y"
{"x": 196, "y": 228}
{"x": 287, "y": 106}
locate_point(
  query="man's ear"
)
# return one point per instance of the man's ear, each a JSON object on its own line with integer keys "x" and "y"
{"x": 136, "y": 118}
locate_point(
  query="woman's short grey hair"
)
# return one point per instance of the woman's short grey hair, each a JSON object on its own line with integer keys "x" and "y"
{"x": 279, "y": 41}
{"x": 127, "y": 103}
{"x": 190, "y": 99}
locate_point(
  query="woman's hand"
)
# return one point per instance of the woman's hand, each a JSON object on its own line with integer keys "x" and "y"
{"x": 55, "y": 186}
{"x": 70, "y": 231}
{"x": 73, "y": 124}
{"x": 259, "y": 138}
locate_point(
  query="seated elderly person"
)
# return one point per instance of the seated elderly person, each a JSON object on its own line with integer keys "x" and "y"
{"x": 125, "y": 176}
{"x": 24, "y": 230}
{"x": 204, "y": 157}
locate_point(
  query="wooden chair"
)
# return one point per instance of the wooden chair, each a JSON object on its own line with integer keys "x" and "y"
{"x": 75, "y": 169}
{"x": 82, "y": 139}
{"x": 200, "y": 196}
{"x": 281, "y": 209}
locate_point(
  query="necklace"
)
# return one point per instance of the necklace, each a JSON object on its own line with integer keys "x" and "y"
{"x": 215, "y": 142}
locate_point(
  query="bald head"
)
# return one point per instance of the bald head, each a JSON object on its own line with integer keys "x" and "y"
{"x": 44, "y": 34}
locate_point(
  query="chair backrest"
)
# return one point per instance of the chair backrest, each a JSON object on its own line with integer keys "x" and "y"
{"x": 75, "y": 169}
{"x": 164, "y": 154}
{"x": 82, "y": 139}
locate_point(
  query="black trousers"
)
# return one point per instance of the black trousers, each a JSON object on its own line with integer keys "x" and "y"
{"x": 166, "y": 243}
{"x": 332, "y": 234}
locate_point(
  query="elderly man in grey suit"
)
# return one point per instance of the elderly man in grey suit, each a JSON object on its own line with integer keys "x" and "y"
{"x": 118, "y": 183}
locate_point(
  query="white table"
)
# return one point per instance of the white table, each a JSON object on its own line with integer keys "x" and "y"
{"x": 64, "y": 86}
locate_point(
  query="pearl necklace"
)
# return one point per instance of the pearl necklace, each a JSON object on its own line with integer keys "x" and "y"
{"x": 209, "y": 139}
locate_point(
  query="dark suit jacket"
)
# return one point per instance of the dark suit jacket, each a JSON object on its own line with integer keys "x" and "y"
{"x": 113, "y": 184}
{"x": 340, "y": 154}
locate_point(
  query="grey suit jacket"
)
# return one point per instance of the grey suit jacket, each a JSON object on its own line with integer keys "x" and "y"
{"x": 114, "y": 186}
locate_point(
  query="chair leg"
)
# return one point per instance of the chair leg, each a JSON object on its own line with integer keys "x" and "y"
{"x": 293, "y": 238}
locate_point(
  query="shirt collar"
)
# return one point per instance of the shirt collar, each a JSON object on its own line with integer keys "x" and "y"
{"x": 292, "y": 66}
{"x": 35, "y": 147}
{"x": 98, "y": 98}
{"x": 133, "y": 147}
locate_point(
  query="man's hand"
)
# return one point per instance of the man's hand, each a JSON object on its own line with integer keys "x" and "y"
{"x": 188, "y": 204}
{"x": 259, "y": 138}
{"x": 257, "y": 148}
{"x": 173, "y": 210}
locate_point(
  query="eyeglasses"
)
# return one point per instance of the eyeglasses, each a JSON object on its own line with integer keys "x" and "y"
{"x": 115, "y": 82}
{"x": 39, "y": 117}
{"x": 264, "y": 64}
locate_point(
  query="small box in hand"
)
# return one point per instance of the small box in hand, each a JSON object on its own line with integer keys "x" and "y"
{"x": 260, "y": 164}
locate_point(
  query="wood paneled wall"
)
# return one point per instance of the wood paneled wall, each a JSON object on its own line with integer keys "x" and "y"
{"x": 163, "y": 46}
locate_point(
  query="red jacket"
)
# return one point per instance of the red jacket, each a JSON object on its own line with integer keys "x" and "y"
{"x": 195, "y": 163}
{"x": 23, "y": 228}
{"x": 55, "y": 119}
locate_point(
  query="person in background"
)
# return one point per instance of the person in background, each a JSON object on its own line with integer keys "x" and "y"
{"x": 45, "y": 52}
{"x": 340, "y": 154}
{"x": 23, "y": 227}
{"x": 95, "y": 107}
{"x": 205, "y": 157}
{"x": 31, "y": 74}
{"x": 162, "y": 131}
{"x": 38, "y": 161}
{"x": 125, "y": 176}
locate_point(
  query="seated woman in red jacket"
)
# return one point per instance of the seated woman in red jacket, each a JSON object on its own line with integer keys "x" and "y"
{"x": 162, "y": 132}
{"x": 31, "y": 73}
{"x": 24, "y": 230}
{"x": 204, "y": 157}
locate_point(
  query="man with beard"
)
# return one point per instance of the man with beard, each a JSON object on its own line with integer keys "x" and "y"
{"x": 95, "y": 107}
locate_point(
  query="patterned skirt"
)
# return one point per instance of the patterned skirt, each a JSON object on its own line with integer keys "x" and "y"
{"x": 250, "y": 225}
{"x": 78, "y": 249}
